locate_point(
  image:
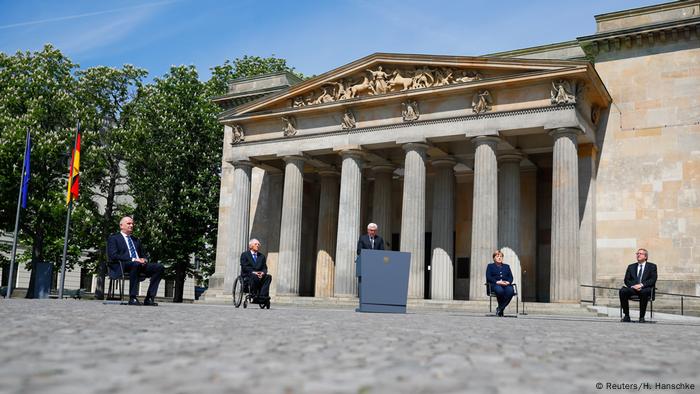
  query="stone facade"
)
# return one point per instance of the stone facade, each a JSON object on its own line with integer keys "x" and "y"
{"x": 568, "y": 156}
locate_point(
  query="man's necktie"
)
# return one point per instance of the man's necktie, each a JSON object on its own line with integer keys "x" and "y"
{"x": 132, "y": 248}
{"x": 639, "y": 274}
{"x": 255, "y": 257}
{"x": 371, "y": 240}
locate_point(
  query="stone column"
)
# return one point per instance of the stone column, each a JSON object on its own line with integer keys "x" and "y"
{"x": 587, "y": 207}
{"x": 348, "y": 224}
{"x": 290, "y": 228}
{"x": 509, "y": 213}
{"x": 564, "y": 278}
{"x": 239, "y": 222}
{"x": 442, "y": 270}
{"x": 413, "y": 216}
{"x": 381, "y": 202}
{"x": 485, "y": 214}
{"x": 327, "y": 233}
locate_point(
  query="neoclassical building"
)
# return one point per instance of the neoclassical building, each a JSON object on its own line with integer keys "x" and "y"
{"x": 568, "y": 157}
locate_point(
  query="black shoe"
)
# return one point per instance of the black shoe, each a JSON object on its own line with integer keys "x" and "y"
{"x": 134, "y": 301}
{"x": 501, "y": 312}
{"x": 149, "y": 302}
{"x": 641, "y": 320}
{"x": 626, "y": 319}
{"x": 498, "y": 311}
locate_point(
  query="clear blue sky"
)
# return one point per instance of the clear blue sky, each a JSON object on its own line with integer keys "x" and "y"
{"x": 314, "y": 36}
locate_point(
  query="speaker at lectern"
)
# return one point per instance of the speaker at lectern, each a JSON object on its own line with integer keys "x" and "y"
{"x": 383, "y": 280}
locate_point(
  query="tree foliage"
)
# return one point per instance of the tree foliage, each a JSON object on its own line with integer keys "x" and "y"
{"x": 245, "y": 67}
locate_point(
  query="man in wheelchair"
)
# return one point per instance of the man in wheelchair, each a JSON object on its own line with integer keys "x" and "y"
{"x": 254, "y": 272}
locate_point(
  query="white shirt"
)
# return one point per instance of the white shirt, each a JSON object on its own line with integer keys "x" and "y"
{"x": 126, "y": 239}
{"x": 640, "y": 273}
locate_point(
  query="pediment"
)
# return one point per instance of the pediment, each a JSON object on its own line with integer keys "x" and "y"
{"x": 384, "y": 75}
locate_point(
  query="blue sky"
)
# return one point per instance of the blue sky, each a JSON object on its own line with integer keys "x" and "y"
{"x": 314, "y": 36}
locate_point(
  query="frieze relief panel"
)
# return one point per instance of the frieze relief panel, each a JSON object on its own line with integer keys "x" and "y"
{"x": 374, "y": 82}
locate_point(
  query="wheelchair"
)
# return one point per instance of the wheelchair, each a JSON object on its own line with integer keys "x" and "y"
{"x": 242, "y": 294}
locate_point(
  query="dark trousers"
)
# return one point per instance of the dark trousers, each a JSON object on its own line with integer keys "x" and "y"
{"x": 644, "y": 296}
{"x": 260, "y": 285}
{"x": 150, "y": 270}
{"x": 503, "y": 294}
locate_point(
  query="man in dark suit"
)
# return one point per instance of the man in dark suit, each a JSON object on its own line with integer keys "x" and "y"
{"x": 125, "y": 248}
{"x": 640, "y": 279}
{"x": 253, "y": 265}
{"x": 370, "y": 240}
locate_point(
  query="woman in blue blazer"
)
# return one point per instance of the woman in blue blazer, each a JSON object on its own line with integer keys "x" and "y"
{"x": 500, "y": 280}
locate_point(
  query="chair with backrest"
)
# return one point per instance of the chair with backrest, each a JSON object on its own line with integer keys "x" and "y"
{"x": 491, "y": 294}
{"x": 635, "y": 297}
{"x": 116, "y": 275}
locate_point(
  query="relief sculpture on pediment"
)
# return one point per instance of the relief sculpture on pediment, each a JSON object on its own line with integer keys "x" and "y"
{"x": 410, "y": 111}
{"x": 289, "y": 127}
{"x": 383, "y": 80}
{"x": 563, "y": 92}
{"x": 349, "y": 121}
{"x": 237, "y": 134}
{"x": 481, "y": 102}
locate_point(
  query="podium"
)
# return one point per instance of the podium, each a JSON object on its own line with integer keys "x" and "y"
{"x": 382, "y": 277}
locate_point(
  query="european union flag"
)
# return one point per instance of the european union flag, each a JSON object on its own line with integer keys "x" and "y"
{"x": 26, "y": 173}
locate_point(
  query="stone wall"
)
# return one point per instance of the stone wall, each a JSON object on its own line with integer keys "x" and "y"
{"x": 648, "y": 184}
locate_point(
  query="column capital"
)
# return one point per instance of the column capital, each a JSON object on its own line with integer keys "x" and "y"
{"x": 354, "y": 153}
{"x": 565, "y": 132}
{"x": 489, "y": 140}
{"x": 445, "y": 161}
{"x": 328, "y": 172}
{"x": 383, "y": 168}
{"x": 417, "y": 146}
{"x": 243, "y": 164}
{"x": 510, "y": 156}
{"x": 294, "y": 159}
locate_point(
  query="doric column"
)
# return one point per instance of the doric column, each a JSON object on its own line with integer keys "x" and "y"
{"x": 327, "y": 232}
{"x": 381, "y": 202}
{"x": 485, "y": 213}
{"x": 413, "y": 216}
{"x": 587, "y": 207}
{"x": 509, "y": 212}
{"x": 290, "y": 229}
{"x": 239, "y": 222}
{"x": 348, "y": 224}
{"x": 564, "y": 278}
{"x": 442, "y": 271}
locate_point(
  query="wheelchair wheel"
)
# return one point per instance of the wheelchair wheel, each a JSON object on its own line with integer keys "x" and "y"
{"x": 237, "y": 292}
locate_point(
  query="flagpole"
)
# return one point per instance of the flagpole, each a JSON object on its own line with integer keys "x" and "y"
{"x": 70, "y": 207}
{"x": 65, "y": 250}
{"x": 19, "y": 206}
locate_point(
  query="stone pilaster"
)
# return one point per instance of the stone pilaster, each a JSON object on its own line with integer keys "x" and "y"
{"x": 485, "y": 214}
{"x": 327, "y": 233}
{"x": 413, "y": 216}
{"x": 239, "y": 222}
{"x": 381, "y": 202}
{"x": 290, "y": 229}
{"x": 509, "y": 213}
{"x": 565, "y": 270}
{"x": 348, "y": 224}
{"x": 442, "y": 271}
{"x": 587, "y": 207}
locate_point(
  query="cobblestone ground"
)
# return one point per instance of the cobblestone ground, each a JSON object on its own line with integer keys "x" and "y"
{"x": 50, "y": 346}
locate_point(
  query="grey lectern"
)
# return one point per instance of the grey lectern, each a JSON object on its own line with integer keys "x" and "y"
{"x": 383, "y": 280}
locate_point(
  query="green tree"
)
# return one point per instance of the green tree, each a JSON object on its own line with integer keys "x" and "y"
{"x": 245, "y": 67}
{"x": 37, "y": 93}
{"x": 104, "y": 94}
{"x": 174, "y": 169}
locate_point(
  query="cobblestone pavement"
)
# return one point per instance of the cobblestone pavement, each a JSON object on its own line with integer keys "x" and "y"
{"x": 50, "y": 346}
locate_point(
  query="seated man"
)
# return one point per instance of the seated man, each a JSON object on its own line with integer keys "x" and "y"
{"x": 123, "y": 247}
{"x": 500, "y": 280}
{"x": 253, "y": 266}
{"x": 640, "y": 280}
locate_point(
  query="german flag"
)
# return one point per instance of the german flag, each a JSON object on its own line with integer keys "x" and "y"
{"x": 74, "y": 174}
